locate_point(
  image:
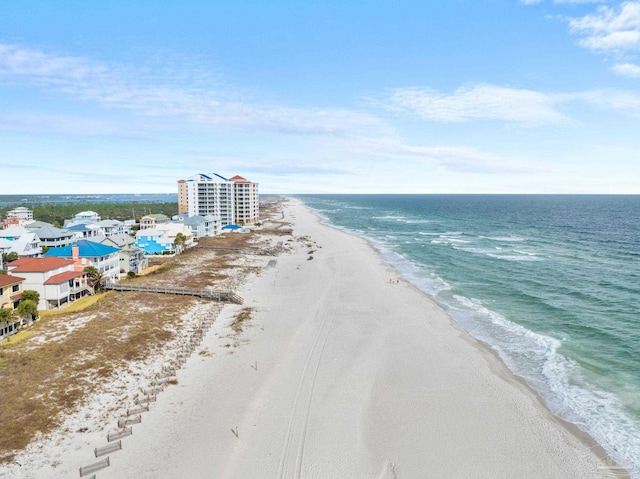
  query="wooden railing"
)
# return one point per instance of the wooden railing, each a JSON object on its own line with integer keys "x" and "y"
{"x": 254, "y": 251}
{"x": 224, "y": 296}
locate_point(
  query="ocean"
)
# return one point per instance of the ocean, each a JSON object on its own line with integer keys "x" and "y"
{"x": 550, "y": 282}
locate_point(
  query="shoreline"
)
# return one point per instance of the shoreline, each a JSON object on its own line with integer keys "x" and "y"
{"x": 340, "y": 373}
{"x": 501, "y": 367}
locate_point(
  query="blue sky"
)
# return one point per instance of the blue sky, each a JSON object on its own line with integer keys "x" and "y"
{"x": 451, "y": 96}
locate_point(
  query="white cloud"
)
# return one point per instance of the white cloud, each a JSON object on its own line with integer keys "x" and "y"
{"x": 613, "y": 100}
{"x": 466, "y": 159}
{"x": 627, "y": 69}
{"x": 24, "y": 64}
{"x": 611, "y": 28}
{"x": 479, "y": 102}
{"x": 161, "y": 98}
{"x": 61, "y": 124}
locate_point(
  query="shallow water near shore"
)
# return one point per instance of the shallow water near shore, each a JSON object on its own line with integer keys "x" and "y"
{"x": 551, "y": 282}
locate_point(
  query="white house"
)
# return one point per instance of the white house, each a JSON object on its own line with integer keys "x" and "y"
{"x": 161, "y": 240}
{"x": 132, "y": 259}
{"x": 20, "y": 212}
{"x": 88, "y": 215}
{"x": 89, "y": 253}
{"x": 55, "y": 279}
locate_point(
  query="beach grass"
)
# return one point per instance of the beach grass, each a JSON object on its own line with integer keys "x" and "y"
{"x": 48, "y": 370}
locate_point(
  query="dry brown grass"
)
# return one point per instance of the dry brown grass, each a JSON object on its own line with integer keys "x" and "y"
{"x": 41, "y": 380}
{"x": 240, "y": 320}
{"x": 40, "y": 383}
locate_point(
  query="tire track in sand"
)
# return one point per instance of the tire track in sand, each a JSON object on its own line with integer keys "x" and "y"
{"x": 290, "y": 466}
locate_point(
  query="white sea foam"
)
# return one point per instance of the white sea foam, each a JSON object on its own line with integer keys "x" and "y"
{"x": 389, "y": 217}
{"x": 539, "y": 358}
{"x": 507, "y": 239}
{"x": 455, "y": 240}
{"x": 557, "y": 379}
{"x": 528, "y": 253}
{"x": 512, "y": 257}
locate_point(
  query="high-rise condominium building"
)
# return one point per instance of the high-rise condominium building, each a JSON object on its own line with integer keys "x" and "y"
{"x": 234, "y": 200}
{"x": 246, "y": 201}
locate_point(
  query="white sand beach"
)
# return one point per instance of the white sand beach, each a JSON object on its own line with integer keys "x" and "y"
{"x": 342, "y": 373}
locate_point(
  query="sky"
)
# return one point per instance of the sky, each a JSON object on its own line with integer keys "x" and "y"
{"x": 376, "y": 96}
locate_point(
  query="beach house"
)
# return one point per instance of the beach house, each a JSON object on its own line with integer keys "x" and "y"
{"x": 50, "y": 236}
{"x": 55, "y": 279}
{"x": 19, "y": 216}
{"x": 200, "y": 226}
{"x": 89, "y": 253}
{"x": 11, "y": 288}
{"x": 153, "y": 220}
{"x": 162, "y": 239}
{"x": 132, "y": 258}
{"x": 20, "y": 241}
{"x": 85, "y": 230}
{"x": 88, "y": 215}
{"x": 112, "y": 227}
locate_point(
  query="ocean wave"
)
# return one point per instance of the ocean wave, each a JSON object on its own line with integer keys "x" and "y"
{"x": 389, "y": 217}
{"x": 513, "y": 257}
{"x": 528, "y": 253}
{"x": 507, "y": 239}
{"x": 537, "y": 358}
{"x": 495, "y": 252}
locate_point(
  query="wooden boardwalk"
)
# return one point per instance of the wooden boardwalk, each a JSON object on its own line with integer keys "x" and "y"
{"x": 224, "y": 296}
{"x": 254, "y": 251}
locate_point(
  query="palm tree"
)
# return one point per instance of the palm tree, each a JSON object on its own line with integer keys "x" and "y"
{"x": 94, "y": 277}
{"x": 179, "y": 241}
{"x": 27, "y": 310}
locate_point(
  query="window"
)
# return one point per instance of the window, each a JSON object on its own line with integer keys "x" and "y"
{"x": 15, "y": 288}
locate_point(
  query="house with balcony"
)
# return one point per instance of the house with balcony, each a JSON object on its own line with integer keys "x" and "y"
{"x": 88, "y": 216}
{"x": 50, "y": 236}
{"x": 27, "y": 245}
{"x": 11, "y": 288}
{"x": 20, "y": 241}
{"x": 200, "y": 226}
{"x": 19, "y": 216}
{"x": 131, "y": 257}
{"x": 153, "y": 220}
{"x": 21, "y": 212}
{"x": 162, "y": 239}
{"x": 13, "y": 233}
{"x": 5, "y": 246}
{"x": 55, "y": 279}
{"x": 111, "y": 227}
{"x": 89, "y": 253}
{"x": 83, "y": 230}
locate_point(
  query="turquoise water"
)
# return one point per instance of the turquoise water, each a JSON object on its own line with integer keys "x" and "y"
{"x": 551, "y": 282}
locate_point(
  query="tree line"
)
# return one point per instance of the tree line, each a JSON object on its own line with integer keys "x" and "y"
{"x": 58, "y": 212}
